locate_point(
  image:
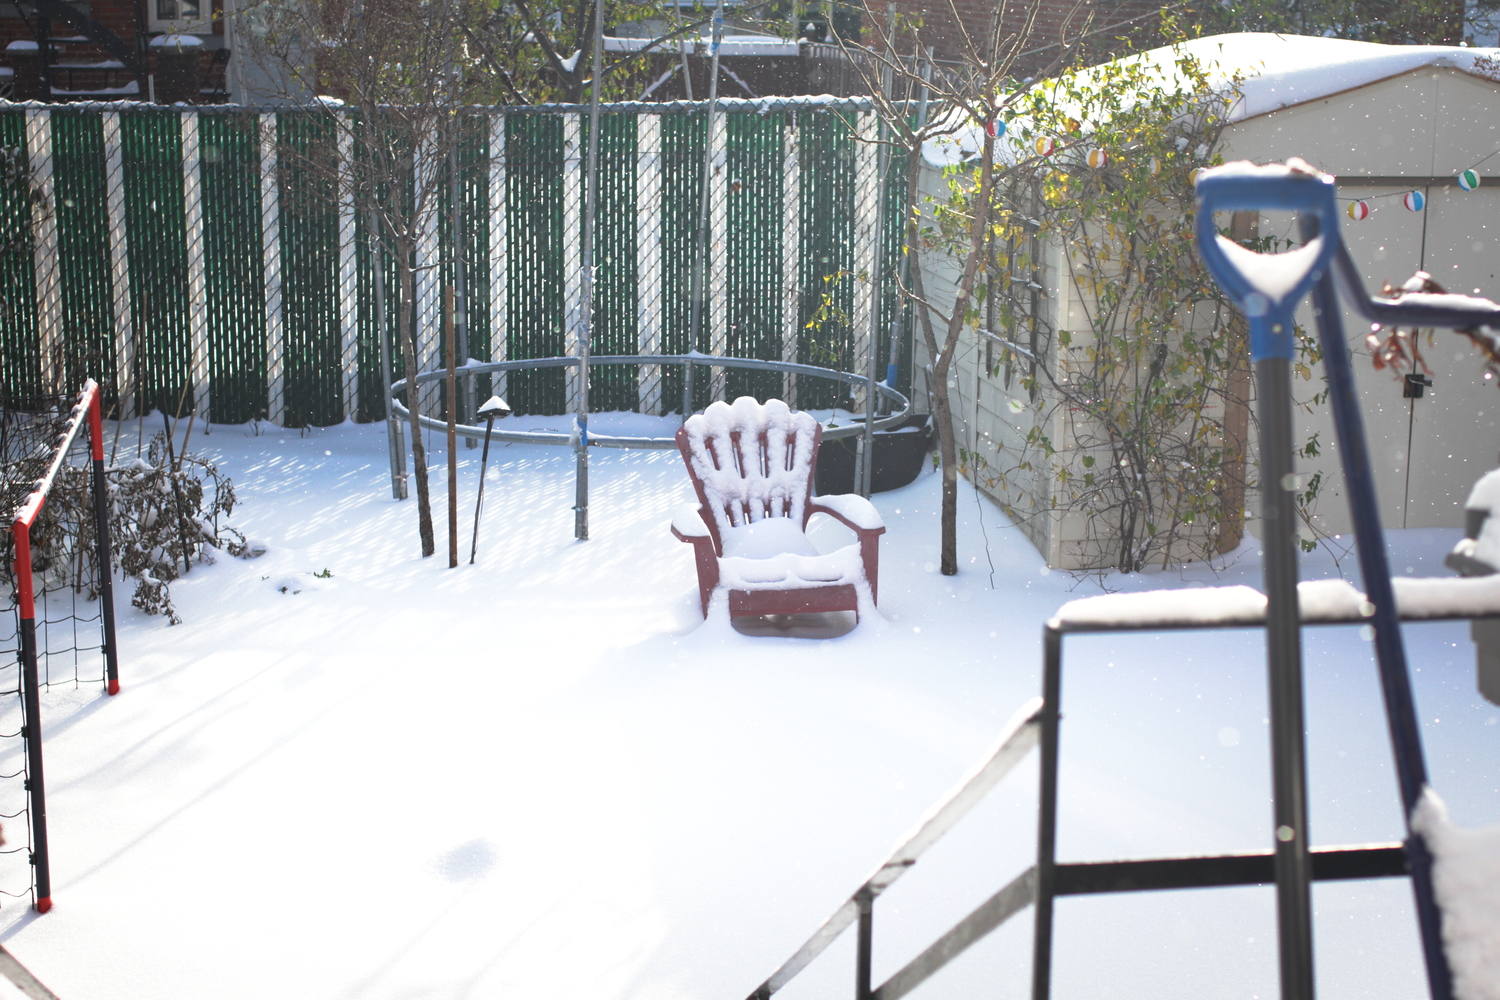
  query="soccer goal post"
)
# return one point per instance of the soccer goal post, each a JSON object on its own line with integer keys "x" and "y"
{"x": 63, "y": 581}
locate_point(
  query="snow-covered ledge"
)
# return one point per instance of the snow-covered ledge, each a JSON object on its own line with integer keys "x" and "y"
{"x": 1322, "y": 602}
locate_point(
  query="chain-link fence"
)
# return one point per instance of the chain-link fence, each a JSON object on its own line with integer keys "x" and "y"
{"x": 216, "y": 261}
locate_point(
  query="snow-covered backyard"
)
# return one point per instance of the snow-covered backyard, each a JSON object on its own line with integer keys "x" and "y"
{"x": 544, "y": 776}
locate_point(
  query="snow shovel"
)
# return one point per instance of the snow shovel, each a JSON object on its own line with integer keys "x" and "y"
{"x": 492, "y": 408}
{"x": 1267, "y": 288}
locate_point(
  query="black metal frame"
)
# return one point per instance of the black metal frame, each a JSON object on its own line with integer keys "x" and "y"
{"x": 1047, "y": 880}
{"x": 1323, "y": 864}
{"x": 1292, "y": 864}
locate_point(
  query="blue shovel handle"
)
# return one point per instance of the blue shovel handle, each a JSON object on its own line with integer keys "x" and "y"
{"x": 1267, "y": 287}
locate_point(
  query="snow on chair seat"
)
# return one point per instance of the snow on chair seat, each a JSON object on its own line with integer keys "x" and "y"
{"x": 752, "y": 468}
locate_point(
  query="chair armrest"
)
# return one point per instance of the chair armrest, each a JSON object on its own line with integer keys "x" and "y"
{"x": 850, "y": 508}
{"x": 688, "y": 524}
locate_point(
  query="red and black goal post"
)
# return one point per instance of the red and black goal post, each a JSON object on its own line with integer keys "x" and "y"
{"x": 84, "y": 414}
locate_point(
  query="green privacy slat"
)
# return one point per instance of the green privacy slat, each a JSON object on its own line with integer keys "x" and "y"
{"x": 682, "y": 142}
{"x": 462, "y": 235}
{"x": 614, "y": 387}
{"x": 234, "y": 263}
{"x": 534, "y": 166}
{"x": 892, "y": 305}
{"x": 827, "y": 194}
{"x": 473, "y": 176}
{"x": 229, "y": 148}
{"x": 755, "y": 249}
{"x": 20, "y": 371}
{"x": 83, "y": 248}
{"x": 309, "y": 270}
{"x": 385, "y": 265}
{"x": 152, "y": 155}
{"x": 371, "y": 394}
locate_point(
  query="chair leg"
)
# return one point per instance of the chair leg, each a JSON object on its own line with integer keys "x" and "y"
{"x": 869, "y": 551}
{"x": 708, "y": 571}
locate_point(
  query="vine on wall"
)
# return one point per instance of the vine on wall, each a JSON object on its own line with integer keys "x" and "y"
{"x": 1136, "y": 377}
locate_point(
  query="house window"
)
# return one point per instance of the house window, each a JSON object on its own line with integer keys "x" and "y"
{"x": 179, "y": 15}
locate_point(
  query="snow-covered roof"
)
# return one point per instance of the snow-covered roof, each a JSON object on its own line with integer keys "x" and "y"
{"x": 733, "y": 45}
{"x": 1270, "y": 71}
{"x": 1282, "y": 70}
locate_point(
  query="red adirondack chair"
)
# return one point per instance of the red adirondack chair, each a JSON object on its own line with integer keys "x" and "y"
{"x": 752, "y": 468}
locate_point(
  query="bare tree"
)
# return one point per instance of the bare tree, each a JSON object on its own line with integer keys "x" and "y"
{"x": 399, "y": 74}
{"x": 895, "y": 71}
{"x": 396, "y": 72}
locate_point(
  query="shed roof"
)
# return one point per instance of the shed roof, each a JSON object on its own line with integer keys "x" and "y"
{"x": 1270, "y": 72}
{"x": 1278, "y": 71}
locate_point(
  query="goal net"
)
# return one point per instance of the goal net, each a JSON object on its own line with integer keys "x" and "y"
{"x": 60, "y": 629}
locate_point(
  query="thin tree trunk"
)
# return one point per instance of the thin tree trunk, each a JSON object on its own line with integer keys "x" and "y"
{"x": 413, "y": 397}
{"x": 942, "y": 412}
{"x": 948, "y": 451}
{"x": 942, "y": 360}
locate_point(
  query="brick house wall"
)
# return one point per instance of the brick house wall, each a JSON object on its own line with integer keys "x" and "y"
{"x": 119, "y": 16}
{"x": 972, "y": 34}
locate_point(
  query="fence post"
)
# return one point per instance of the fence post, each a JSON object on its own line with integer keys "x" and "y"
{"x": 791, "y": 253}
{"x": 718, "y": 249}
{"x": 648, "y": 236}
{"x": 48, "y": 264}
{"x": 869, "y": 166}
{"x": 573, "y": 167}
{"x": 700, "y": 244}
{"x": 427, "y": 278}
{"x": 499, "y": 253}
{"x": 270, "y": 229}
{"x": 119, "y": 264}
{"x": 192, "y": 205}
{"x": 348, "y": 268}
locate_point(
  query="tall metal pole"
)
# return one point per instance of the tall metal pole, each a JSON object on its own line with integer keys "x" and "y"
{"x": 395, "y": 437}
{"x": 1270, "y": 307}
{"x": 1390, "y": 651}
{"x": 586, "y": 333}
{"x": 1293, "y": 868}
{"x": 1271, "y": 315}
{"x": 700, "y": 246}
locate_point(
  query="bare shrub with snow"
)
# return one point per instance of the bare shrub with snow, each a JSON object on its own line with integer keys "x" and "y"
{"x": 163, "y": 516}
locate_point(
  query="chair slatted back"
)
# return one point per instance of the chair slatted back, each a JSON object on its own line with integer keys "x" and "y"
{"x": 750, "y": 461}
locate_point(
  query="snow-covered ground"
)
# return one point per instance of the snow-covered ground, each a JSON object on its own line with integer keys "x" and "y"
{"x": 543, "y": 776}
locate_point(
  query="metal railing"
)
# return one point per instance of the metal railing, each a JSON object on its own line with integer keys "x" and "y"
{"x": 1038, "y": 723}
{"x": 1020, "y": 734}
